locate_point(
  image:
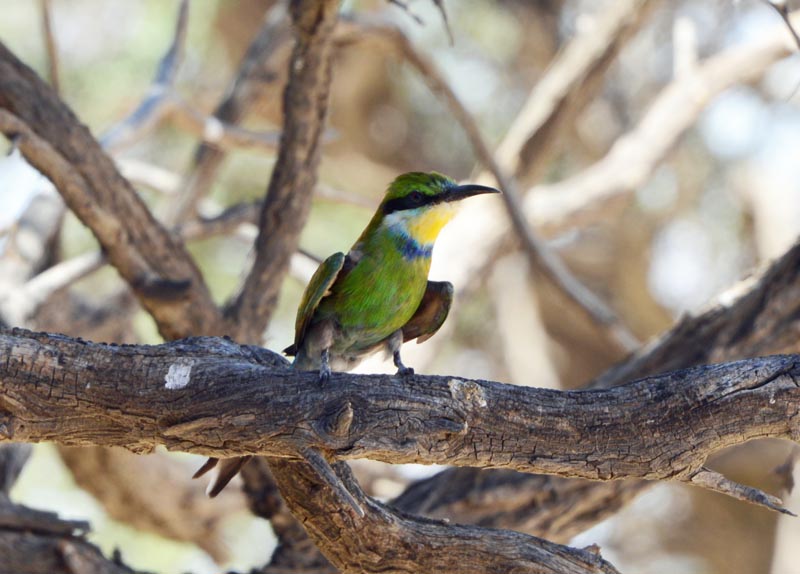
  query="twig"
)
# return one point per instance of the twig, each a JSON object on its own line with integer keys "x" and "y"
{"x": 258, "y": 67}
{"x": 569, "y": 82}
{"x": 50, "y": 44}
{"x": 407, "y": 9}
{"x": 582, "y": 198}
{"x": 21, "y": 304}
{"x": 149, "y": 175}
{"x": 218, "y": 133}
{"x": 440, "y": 6}
{"x": 712, "y": 480}
{"x": 156, "y": 104}
{"x": 540, "y": 255}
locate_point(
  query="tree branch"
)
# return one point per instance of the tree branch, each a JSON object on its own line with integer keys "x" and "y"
{"x": 156, "y": 104}
{"x": 69, "y": 391}
{"x": 149, "y": 258}
{"x": 540, "y": 255}
{"x": 584, "y": 197}
{"x": 288, "y": 201}
{"x": 383, "y": 540}
{"x": 758, "y": 316}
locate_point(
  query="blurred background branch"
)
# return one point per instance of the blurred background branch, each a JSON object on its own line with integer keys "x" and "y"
{"x": 658, "y": 145}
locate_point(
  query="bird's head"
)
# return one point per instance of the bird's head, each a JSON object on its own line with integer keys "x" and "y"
{"x": 421, "y": 204}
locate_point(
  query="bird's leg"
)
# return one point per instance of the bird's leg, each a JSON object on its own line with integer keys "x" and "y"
{"x": 324, "y": 366}
{"x": 401, "y": 368}
{"x": 394, "y": 343}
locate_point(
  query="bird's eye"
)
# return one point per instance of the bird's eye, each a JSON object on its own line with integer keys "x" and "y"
{"x": 415, "y": 196}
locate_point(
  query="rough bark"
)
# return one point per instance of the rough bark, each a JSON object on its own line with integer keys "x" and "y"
{"x": 760, "y": 315}
{"x": 207, "y": 396}
{"x": 288, "y": 200}
{"x": 383, "y": 540}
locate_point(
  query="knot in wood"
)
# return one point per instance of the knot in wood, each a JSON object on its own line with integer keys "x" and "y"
{"x": 338, "y": 422}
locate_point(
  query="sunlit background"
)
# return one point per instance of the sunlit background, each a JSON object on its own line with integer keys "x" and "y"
{"x": 726, "y": 199}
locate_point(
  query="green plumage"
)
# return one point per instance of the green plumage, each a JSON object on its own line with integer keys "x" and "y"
{"x": 378, "y": 295}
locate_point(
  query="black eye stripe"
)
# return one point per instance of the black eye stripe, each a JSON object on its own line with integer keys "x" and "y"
{"x": 409, "y": 202}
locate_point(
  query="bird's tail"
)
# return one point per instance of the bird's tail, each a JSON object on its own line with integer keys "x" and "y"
{"x": 227, "y": 469}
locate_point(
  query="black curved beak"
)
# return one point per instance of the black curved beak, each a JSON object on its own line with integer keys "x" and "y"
{"x": 460, "y": 192}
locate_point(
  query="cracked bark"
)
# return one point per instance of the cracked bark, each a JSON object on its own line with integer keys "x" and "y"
{"x": 760, "y": 315}
{"x": 136, "y": 396}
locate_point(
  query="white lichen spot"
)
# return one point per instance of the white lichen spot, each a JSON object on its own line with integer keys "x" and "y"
{"x": 467, "y": 391}
{"x": 179, "y": 374}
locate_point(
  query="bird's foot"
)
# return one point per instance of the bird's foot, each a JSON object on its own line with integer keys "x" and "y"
{"x": 402, "y": 370}
{"x": 324, "y": 368}
{"x": 324, "y": 374}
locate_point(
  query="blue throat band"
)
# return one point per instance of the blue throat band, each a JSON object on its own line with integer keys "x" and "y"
{"x": 411, "y": 249}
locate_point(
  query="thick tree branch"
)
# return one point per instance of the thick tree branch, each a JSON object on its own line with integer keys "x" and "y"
{"x": 760, "y": 315}
{"x": 383, "y": 540}
{"x": 151, "y": 260}
{"x": 288, "y": 201}
{"x": 59, "y": 389}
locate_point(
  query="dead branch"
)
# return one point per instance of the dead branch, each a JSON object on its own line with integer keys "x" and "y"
{"x": 138, "y": 396}
{"x": 288, "y": 200}
{"x": 541, "y": 257}
{"x": 584, "y": 197}
{"x": 756, "y": 317}
{"x": 156, "y": 266}
{"x": 384, "y": 540}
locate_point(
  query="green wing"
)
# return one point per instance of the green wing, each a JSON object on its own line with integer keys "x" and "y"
{"x": 320, "y": 282}
{"x": 431, "y": 313}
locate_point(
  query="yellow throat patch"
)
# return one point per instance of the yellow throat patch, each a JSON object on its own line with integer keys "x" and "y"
{"x": 425, "y": 227}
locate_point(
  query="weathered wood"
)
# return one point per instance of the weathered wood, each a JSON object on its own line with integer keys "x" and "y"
{"x": 211, "y": 396}
{"x": 385, "y": 541}
{"x": 760, "y": 315}
{"x": 288, "y": 199}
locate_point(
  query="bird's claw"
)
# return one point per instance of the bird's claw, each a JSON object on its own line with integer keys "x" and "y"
{"x": 405, "y": 371}
{"x": 324, "y": 375}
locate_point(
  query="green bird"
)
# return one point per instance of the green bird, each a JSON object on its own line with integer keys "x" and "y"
{"x": 377, "y": 296}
